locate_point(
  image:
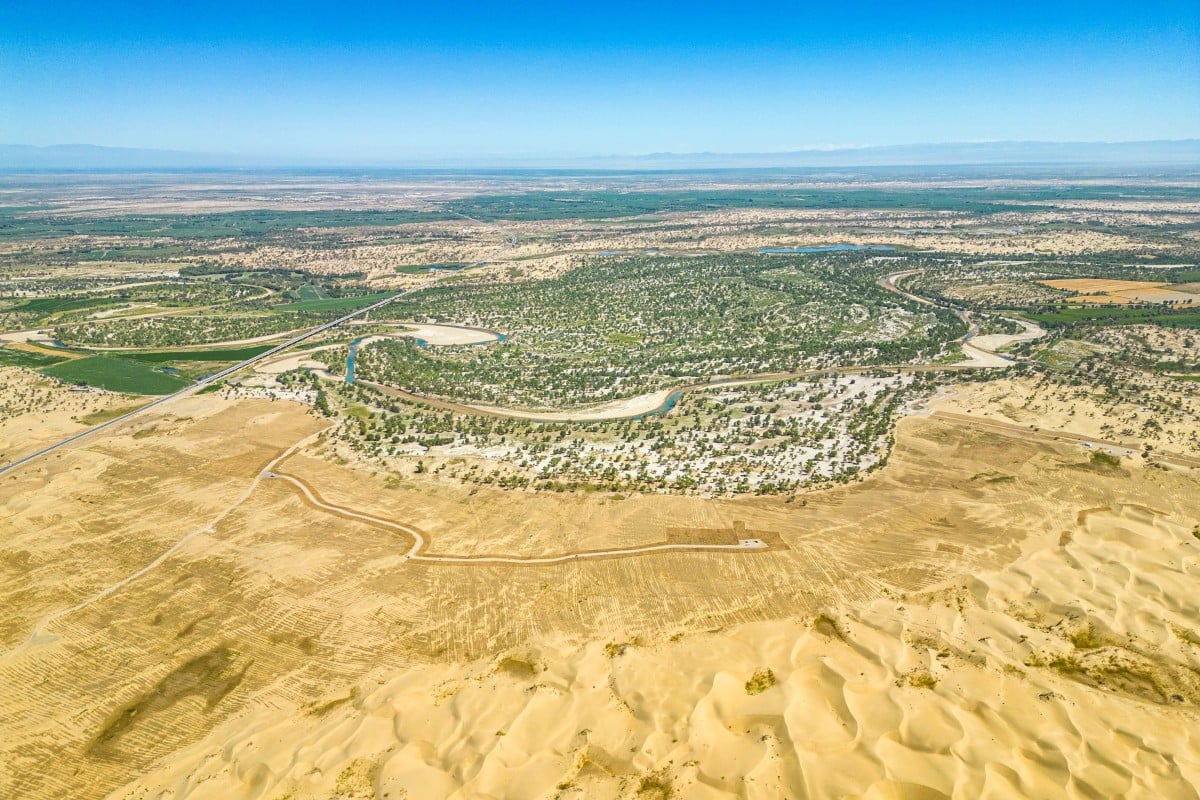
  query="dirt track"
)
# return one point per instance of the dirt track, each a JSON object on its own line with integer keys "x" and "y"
{"x": 420, "y": 542}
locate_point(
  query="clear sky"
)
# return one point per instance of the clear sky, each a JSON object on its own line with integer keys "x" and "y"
{"x": 430, "y": 79}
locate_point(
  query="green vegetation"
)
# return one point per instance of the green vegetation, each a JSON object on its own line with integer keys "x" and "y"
{"x": 43, "y": 306}
{"x": 60, "y": 304}
{"x": 12, "y": 357}
{"x": 760, "y": 681}
{"x": 606, "y": 204}
{"x": 334, "y": 303}
{"x": 1121, "y": 315}
{"x": 626, "y": 325}
{"x": 416, "y": 269}
{"x": 115, "y": 375}
{"x": 1105, "y": 460}
{"x": 104, "y": 415}
{"x": 655, "y": 785}
{"x": 230, "y": 354}
{"x": 770, "y": 438}
{"x": 919, "y": 679}
{"x": 310, "y": 292}
{"x": 184, "y": 330}
{"x": 234, "y": 224}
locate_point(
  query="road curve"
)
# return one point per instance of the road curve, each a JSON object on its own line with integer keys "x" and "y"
{"x": 419, "y": 542}
{"x": 211, "y": 378}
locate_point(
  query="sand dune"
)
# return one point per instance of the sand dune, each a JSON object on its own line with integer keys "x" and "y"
{"x": 986, "y": 617}
{"x": 1048, "y": 678}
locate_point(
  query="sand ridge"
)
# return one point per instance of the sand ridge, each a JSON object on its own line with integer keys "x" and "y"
{"x": 940, "y": 694}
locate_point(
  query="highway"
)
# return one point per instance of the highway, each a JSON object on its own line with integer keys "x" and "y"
{"x": 210, "y": 379}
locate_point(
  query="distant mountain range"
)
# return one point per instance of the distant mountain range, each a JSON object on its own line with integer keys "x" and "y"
{"x": 1174, "y": 152}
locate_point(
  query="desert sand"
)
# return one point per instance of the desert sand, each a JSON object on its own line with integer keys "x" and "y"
{"x": 438, "y": 334}
{"x": 1103, "y": 290}
{"x": 615, "y": 409}
{"x": 988, "y": 616}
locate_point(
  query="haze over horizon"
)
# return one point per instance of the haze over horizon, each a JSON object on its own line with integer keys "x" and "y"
{"x": 316, "y": 81}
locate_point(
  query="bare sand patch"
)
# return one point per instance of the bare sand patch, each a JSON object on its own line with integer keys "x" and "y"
{"x": 1101, "y": 290}
{"x": 285, "y": 650}
{"x": 614, "y": 409}
{"x": 36, "y": 411}
{"x": 445, "y": 334}
{"x": 1098, "y": 285}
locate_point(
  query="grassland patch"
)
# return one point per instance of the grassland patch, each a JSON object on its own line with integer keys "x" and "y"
{"x": 12, "y": 357}
{"x": 116, "y": 375}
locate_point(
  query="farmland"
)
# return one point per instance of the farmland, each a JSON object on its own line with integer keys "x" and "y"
{"x": 116, "y": 375}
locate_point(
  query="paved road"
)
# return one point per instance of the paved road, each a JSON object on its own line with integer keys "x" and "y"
{"x": 211, "y": 379}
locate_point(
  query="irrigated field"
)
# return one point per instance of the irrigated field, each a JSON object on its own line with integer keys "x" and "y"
{"x": 116, "y": 375}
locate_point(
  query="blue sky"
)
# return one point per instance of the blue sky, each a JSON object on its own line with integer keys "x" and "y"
{"x": 460, "y": 79}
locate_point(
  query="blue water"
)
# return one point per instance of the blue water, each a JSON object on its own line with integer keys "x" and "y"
{"x": 828, "y": 248}
{"x": 350, "y": 359}
{"x": 170, "y": 370}
{"x": 662, "y": 410}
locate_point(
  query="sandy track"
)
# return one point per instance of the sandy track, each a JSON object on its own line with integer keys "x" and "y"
{"x": 614, "y": 409}
{"x": 36, "y": 636}
{"x": 420, "y": 541}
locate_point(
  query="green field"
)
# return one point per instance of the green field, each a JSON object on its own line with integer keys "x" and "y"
{"x": 233, "y": 354}
{"x": 43, "y": 223}
{"x": 334, "y": 303}
{"x": 116, "y": 375}
{"x": 11, "y": 357}
{"x": 1189, "y": 318}
{"x": 51, "y": 305}
{"x": 312, "y": 292}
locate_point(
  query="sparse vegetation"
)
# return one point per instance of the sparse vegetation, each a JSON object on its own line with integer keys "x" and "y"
{"x": 760, "y": 681}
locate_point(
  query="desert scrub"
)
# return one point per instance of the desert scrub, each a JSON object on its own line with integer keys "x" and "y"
{"x": 827, "y": 626}
{"x": 656, "y": 784}
{"x": 1086, "y": 638}
{"x": 760, "y": 681}
{"x": 918, "y": 679}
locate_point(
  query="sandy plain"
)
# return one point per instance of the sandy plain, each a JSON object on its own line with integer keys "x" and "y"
{"x": 1097, "y": 290}
{"x": 988, "y": 616}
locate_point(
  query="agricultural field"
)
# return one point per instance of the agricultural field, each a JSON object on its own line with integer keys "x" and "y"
{"x": 115, "y": 375}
